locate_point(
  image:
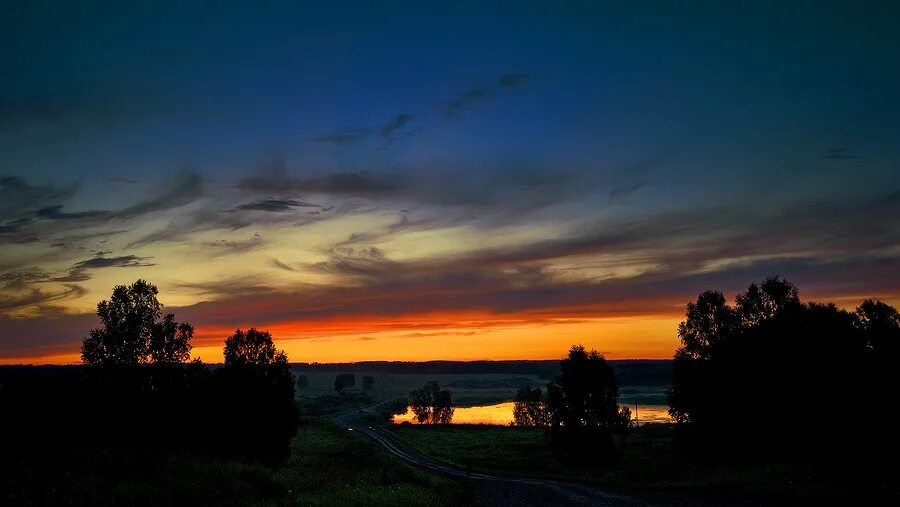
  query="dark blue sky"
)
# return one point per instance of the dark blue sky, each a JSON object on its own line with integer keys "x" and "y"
{"x": 761, "y": 134}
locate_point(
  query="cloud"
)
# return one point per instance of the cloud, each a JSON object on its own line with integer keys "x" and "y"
{"x": 396, "y": 123}
{"x": 839, "y": 154}
{"x": 224, "y": 247}
{"x": 512, "y": 80}
{"x": 464, "y": 101}
{"x": 275, "y": 205}
{"x": 353, "y": 135}
{"x": 184, "y": 189}
{"x": 36, "y": 296}
{"x": 343, "y": 136}
{"x": 56, "y": 213}
{"x": 347, "y": 183}
{"x": 280, "y": 265}
{"x": 112, "y": 178}
{"x": 19, "y": 199}
{"x": 79, "y": 271}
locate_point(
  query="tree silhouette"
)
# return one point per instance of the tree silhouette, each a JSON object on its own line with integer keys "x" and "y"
{"x": 254, "y": 391}
{"x": 530, "y": 408}
{"x": 583, "y": 405}
{"x": 880, "y": 323}
{"x": 431, "y": 405}
{"x": 253, "y": 348}
{"x": 302, "y": 381}
{"x": 764, "y": 301}
{"x": 708, "y": 323}
{"x": 745, "y": 375}
{"x": 343, "y": 381}
{"x": 131, "y": 333}
{"x": 368, "y": 383}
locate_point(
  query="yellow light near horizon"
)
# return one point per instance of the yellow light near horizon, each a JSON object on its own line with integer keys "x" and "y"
{"x": 616, "y": 338}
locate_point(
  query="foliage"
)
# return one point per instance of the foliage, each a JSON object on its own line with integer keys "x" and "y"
{"x": 254, "y": 397}
{"x": 431, "y": 404}
{"x": 530, "y": 408}
{"x": 252, "y": 348}
{"x": 343, "y": 381}
{"x": 302, "y": 381}
{"x": 132, "y": 333}
{"x": 368, "y": 383}
{"x": 583, "y": 406}
{"x": 746, "y": 374}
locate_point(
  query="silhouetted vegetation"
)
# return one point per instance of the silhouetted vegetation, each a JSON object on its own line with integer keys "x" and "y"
{"x": 132, "y": 333}
{"x": 530, "y": 408}
{"x": 137, "y": 390}
{"x": 302, "y": 381}
{"x": 583, "y": 407}
{"x": 254, "y": 397}
{"x": 368, "y": 383}
{"x": 343, "y": 381}
{"x": 431, "y": 404}
{"x": 746, "y": 376}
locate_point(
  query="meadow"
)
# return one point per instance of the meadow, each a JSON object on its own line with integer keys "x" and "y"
{"x": 328, "y": 466}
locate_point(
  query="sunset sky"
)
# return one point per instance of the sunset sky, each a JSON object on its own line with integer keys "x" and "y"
{"x": 460, "y": 180}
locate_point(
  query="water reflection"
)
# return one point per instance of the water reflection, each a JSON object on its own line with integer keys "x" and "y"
{"x": 502, "y": 414}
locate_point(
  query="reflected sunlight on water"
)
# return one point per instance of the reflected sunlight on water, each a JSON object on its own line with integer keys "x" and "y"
{"x": 502, "y": 414}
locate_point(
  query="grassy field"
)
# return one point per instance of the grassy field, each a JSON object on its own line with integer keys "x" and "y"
{"x": 648, "y": 464}
{"x": 328, "y": 467}
{"x": 467, "y": 388}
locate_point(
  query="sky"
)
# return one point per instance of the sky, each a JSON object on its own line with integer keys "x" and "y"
{"x": 440, "y": 180}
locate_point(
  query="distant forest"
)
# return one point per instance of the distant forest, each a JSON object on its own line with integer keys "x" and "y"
{"x": 635, "y": 372}
{"x": 642, "y": 372}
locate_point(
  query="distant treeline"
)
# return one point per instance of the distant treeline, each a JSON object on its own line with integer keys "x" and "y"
{"x": 645, "y": 372}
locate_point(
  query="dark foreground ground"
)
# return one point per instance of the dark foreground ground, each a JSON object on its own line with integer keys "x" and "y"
{"x": 333, "y": 466}
{"x": 328, "y": 466}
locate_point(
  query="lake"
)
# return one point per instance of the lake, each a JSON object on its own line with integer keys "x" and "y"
{"x": 502, "y": 414}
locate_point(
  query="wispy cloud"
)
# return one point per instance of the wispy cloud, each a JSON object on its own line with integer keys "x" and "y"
{"x": 466, "y": 100}
{"x": 79, "y": 271}
{"x": 275, "y": 205}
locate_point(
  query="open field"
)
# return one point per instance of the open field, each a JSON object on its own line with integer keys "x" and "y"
{"x": 467, "y": 388}
{"x": 648, "y": 464}
{"x": 327, "y": 467}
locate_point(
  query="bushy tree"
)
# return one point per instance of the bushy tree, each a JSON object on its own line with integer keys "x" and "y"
{"x": 530, "y": 408}
{"x": 431, "y": 404}
{"x": 368, "y": 383}
{"x": 583, "y": 406}
{"x": 302, "y": 381}
{"x": 132, "y": 333}
{"x": 746, "y": 376}
{"x": 255, "y": 396}
{"x": 252, "y": 348}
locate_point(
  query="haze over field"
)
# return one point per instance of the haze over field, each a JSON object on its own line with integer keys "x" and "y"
{"x": 411, "y": 182}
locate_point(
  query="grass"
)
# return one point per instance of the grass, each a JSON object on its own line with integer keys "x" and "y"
{"x": 328, "y": 466}
{"x": 648, "y": 464}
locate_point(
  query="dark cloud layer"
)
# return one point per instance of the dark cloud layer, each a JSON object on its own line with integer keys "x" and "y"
{"x": 353, "y": 183}
{"x": 275, "y": 205}
{"x": 79, "y": 272}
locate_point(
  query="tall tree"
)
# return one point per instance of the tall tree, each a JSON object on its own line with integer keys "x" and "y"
{"x": 707, "y": 326}
{"x": 132, "y": 333}
{"x": 431, "y": 404}
{"x": 255, "y": 388}
{"x": 583, "y": 406}
{"x": 252, "y": 348}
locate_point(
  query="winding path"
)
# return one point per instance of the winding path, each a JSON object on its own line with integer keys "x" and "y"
{"x": 492, "y": 489}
